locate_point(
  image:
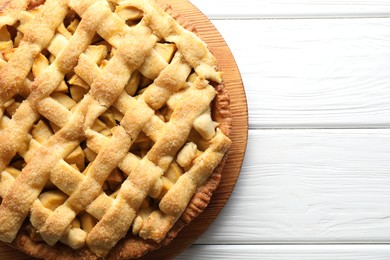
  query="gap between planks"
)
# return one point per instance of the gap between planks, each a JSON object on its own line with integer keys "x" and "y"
{"x": 234, "y": 18}
{"x": 229, "y": 9}
{"x": 276, "y": 252}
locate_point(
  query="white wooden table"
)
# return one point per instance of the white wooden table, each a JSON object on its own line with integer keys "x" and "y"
{"x": 316, "y": 178}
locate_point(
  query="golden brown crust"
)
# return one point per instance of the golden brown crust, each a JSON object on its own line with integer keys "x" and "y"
{"x": 132, "y": 246}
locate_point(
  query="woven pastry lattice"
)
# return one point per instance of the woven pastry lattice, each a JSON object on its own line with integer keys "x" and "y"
{"x": 105, "y": 120}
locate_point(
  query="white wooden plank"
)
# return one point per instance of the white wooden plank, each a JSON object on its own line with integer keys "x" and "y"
{"x": 313, "y": 73}
{"x": 222, "y": 9}
{"x": 309, "y": 186}
{"x": 287, "y": 252}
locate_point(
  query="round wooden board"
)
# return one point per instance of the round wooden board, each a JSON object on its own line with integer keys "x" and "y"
{"x": 239, "y": 135}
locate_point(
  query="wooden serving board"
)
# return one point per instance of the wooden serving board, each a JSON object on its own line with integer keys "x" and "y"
{"x": 239, "y": 135}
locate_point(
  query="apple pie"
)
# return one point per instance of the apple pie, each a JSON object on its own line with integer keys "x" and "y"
{"x": 114, "y": 127}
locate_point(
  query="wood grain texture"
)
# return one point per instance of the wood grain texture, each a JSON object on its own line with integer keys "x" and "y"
{"x": 320, "y": 73}
{"x": 309, "y": 186}
{"x": 287, "y": 252}
{"x": 233, "y": 84}
{"x": 250, "y": 9}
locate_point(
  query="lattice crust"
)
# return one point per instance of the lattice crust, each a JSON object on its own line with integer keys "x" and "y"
{"x": 106, "y": 125}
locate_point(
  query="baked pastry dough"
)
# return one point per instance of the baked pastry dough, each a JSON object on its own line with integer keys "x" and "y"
{"x": 106, "y": 127}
